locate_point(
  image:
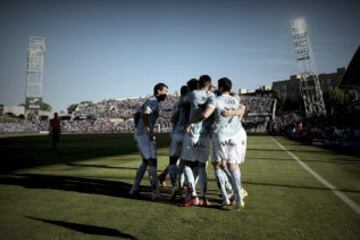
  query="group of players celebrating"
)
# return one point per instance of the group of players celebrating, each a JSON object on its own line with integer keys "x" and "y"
{"x": 207, "y": 121}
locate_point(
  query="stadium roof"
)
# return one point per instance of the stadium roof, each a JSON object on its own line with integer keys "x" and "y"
{"x": 352, "y": 74}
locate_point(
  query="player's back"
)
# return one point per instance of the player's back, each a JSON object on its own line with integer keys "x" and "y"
{"x": 226, "y": 126}
{"x": 198, "y": 101}
{"x": 55, "y": 124}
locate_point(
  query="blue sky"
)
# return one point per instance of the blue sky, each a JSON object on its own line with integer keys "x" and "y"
{"x": 114, "y": 49}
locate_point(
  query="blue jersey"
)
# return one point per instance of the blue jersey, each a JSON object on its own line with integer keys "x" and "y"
{"x": 198, "y": 100}
{"x": 152, "y": 106}
{"x": 225, "y": 126}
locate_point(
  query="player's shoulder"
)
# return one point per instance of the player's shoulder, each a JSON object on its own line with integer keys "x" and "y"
{"x": 151, "y": 102}
{"x": 230, "y": 99}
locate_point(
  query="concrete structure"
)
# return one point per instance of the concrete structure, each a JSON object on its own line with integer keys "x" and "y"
{"x": 34, "y": 75}
{"x": 290, "y": 88}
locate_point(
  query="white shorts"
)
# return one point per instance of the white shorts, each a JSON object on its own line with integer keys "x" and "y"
{"x": 229, "y": 149}
{"x": 195, "y": 148}
{"x": 146, "y": 146}
{"x": 176, "y": 144}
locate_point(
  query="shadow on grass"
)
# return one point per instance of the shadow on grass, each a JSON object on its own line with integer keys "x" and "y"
{"x": 87, "y": 229}
{"x": 101, "y": 166}
{"x": 87, "y": 185}
{"x": 104, "y": 166}
{"x": 31, "y": 151}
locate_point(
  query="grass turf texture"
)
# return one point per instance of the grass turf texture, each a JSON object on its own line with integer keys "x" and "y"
{"x": 82, "y": 193}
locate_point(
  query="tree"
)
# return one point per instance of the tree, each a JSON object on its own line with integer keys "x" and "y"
{"x": 45, "y": 107}
{"x": 72, "y": 108}
{"x": 86, "y": 102}
{"x": 334, "y": 97}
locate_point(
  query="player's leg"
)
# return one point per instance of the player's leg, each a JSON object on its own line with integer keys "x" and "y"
{"x": 220, "y": 180}
{"x": 152, "y": 169}
{"x": 188, "y": 156}
{"x": 243, "y": 145}
{"x": 57, "y": 139}
{"x": 203, "y": 157}
{"x": 236, "y": 184}
{"x": 175, "y": 151}
{"x": 202, "y": 168}
{"x": 143, "y": 146}
{"x": 172, "y": 153}
{"x": 192, "y": 198}
{"x": 53, "y": 140}
{"x": 138, "y": 177}
{"x": 162, "y": 176}
{"x": 242, "y": 154}
{"x": 181, "y": 177}
{"x": 232, "y": 165}
{"x": 173, "y": 170}
{"x": 227, "y": 177}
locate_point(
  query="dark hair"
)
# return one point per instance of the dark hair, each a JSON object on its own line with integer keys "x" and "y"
{"x": 203, "y": 80}
{"x": 159, "y": 86}
{"x": 225, "y": 84}
{"x": 192, "y": 84}
{"x": 183, "y": 90}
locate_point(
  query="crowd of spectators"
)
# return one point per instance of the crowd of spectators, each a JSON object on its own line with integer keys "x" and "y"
{"x": 107, "y": 116}
{"x": 334, "y": 131}
{"x": 257, "y": 105}
{"x": 259, "y": 111}
{"x": 111, "y": 116}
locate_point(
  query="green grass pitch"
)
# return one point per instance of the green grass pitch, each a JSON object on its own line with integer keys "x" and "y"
{"x": 82, "y": 193}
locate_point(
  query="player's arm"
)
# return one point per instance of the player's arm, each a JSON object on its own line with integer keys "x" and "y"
{"x": 50, "y": 128}
{"x": 237, "y": 112}
{"x": 210, "y": 108}
{"x": 59, "y": 126}
{"x": 175, "y": 117}
{"x": 146, "y": 115}
{"x": 184, "y": 100}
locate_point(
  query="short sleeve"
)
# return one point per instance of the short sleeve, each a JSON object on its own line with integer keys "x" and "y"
{"x": 212, "y": 102}
{"x": 150, "y": 106}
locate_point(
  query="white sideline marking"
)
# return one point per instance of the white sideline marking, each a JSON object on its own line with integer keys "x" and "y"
{"x": 338, "y": 193}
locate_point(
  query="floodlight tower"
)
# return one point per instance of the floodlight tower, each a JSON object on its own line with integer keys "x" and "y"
{"x": 34, "y": 74}
{"x": 309, "y": 83}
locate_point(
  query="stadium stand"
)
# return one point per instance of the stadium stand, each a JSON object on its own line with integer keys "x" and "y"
{"x": 260, "y": 109}
{"x": 116, "y": 115}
